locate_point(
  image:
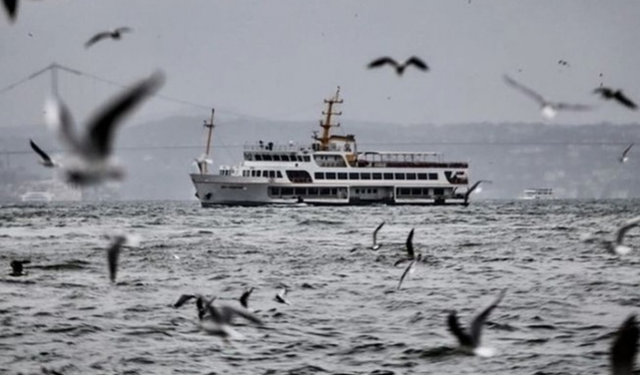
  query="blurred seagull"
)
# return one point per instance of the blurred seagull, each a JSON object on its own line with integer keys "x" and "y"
{"x": 44, "y": 158}
{"x": 472, "y": 189}
{"x": 624, "y": 348}
{"x": 616, "y": 247}
{"x": 11, "y": 6}
{"x": 415, "y": 61}
{"x": 376, "y": 245}
{"x": 113, "y": 34}
{"x": 219, "y": 319}
{"x": 410, "y": 253}
{"x": 280, "y": 296}
{"x": 17, "y": 267}
{"x": 617, "y": 95}
{"x": 113, "y": 253}
{"x": 201, "y": 302}
{"x": 201, "y": 161}
{"x": 410, "y": 269}
{"x": 549, "y": 109}
{"x": 244, "y": 298}
{"x": 624, "y": 157}
{"x": 470, "y": 340}
{"x": 91, "y": 162}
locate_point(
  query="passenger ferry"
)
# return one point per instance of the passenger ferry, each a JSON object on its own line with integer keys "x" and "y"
{"x": 537, "y": 194}
{"x": 330, "y": 171}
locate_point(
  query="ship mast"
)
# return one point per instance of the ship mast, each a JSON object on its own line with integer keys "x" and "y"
{"x": 209, "y": 125}
{"x": 327, "y": 125}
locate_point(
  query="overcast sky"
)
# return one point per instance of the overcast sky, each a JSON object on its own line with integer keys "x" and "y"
{"x": 279, "y": 59}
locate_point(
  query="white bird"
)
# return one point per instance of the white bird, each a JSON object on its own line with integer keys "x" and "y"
{"x": 113, "y": 34}
{"x": 411, "y": 255}
{"x": 549, "y": 109}
{"x": 44, "y": 158}
{"x": 410, "y": 269}
{"x": 624, "y": 157}
{"x": 91, "y": 161}
{"x": 616, "y": 247}
{"x": 472, "y": 189}
{"x": 219, "y": 319}
{"x": 280, "y": 296}
{"x": 625, "y": 348}
{"x": 201, "y": 161}
{"x": 376, "y": 245}
{"x": 470, "y": 340}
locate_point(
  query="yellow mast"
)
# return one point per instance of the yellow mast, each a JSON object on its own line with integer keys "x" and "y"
{"x": 327, "y": 125}
{"x": 209, "y": 125}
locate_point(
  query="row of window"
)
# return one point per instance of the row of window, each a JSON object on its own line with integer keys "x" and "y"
{"x": 374, "y": 176}
{"x": 419, "y": 192}
{"x": 305, "y": 192}
{"x": 255, "y": 173}
{"x": 277, "y": 157}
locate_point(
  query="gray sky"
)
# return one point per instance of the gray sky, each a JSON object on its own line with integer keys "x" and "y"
{"x": 279, "y": 59}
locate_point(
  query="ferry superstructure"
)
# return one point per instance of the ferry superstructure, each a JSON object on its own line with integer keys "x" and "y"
{"x": 537, "y": 194}
{"x": 330, "y": 171}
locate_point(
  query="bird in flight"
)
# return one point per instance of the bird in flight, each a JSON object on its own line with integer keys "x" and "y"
{"x": 549, "y": 109}
{"x": 625, "y": 348}
{"x": 244, "y": 298}
{"x": 11, "y": 7}
{"x": 411, "y": 255}
{"x": 113, "y": 253}
{"x": 113, "y": 34}
{"x": 472, "y": 189}
{"x": 617, "y": 95}
{"x": 624, "y": 157}
{"x": 44, "y": 158}
{"x": 91, "y": 161}
{"x": 616, "y": 247}
{"x": 415, "y": 61}
{"x": 280, "y": 296}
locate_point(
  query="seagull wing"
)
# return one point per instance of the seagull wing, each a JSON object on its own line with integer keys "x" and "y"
{"x": 410, "y": 244}
{"x": 59, "y": 119}
{"x": 244, "y": 299}
{"x": 228, "y": 312}
{"x": 184, "y": 299}
{"x": 626, "y": 151}
{"x": 620, "y": 233}
{"x": 96, "y": 38}
{"x": 113, "y": 252}
{"x": 454, "y": 327}
{"x": 417, "y": 62}
{"x": 624, "y": 348}
{"x": 478, "y": 321}
{"x": 123, "y": 29}
{"x": 406, "y": 271}
{"x": 472, "y": 189}
{"x": 375, "y": 233}
{"x": 382, "y": 61}
{"x": 571, "y": 107}
{"x": 104, "y": 121}
{"x": 524, "y": 89}
{"x": 45, "y": 158}
{"x": 11, "y": 7}
{"x": 622, "y": 99}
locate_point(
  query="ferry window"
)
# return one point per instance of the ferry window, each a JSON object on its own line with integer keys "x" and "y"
{"x": 433, "y": 176}
{"x": 365, "y": 176}
{"x": 357, "y": 191}
{"x": 245, "y": 173}
{"x": 299, "y": 157}
{"x": 375, "y": 191}
{"x": 324, "y": 191}
{"x": 313, "y": 191}
{"x": 331, "y": 176}
{"x": 307, "y": 158}
{"x": 275, "y": 191}
{"x": 411, "y": 176}
{"x": 247, "y": 156}
{"x": 301, "y": 191}
{"x": 354, "y": 176}
{"x": 276, "y": 157}
{"x": 292, "y": 157}
{"x": 284, "y": 157}
{"x": 399, "y": 176}
{"x": 342, "y": 176}
{"x": 422, "y": 176}
{"x": 287, "y": 191}
{"x": 405, "y": 191}
{"x": 267, "y": 157}
{"x": 258, "y": 157}
{"x": 388, "y": 176}
{"x": 334, "y": 191}
{"x": 377, "y": 176}
{"x": 272, "y": 174}
{"x": 368, "y": 191}
{"x": 253, "y": 173}
{"x": 438, "y": 191}
{"x": 416, "y": 191}
{"x": 279, "y": 174}
{"x": 319, "y": 176}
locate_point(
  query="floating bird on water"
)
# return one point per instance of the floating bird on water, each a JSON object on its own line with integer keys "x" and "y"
{"x": 113, "y": 34}
{"x": 11, "y": 6}
{"x": 44, "y": 158}
{"x": 415, "y": 61}
{"x": 624, "y": 157}
{"x": 625, "y": 347}
{"x": 470, "y": 340}
{"x": 617, "y": 95}
{"x": 410, "y": 253}
{"x": 91, "y": 155}
{"x": 244, "y": 298}
{"x": 616, "y": 247}
{"x": 280, "y": 296}
{"x": 549, "y": 109}
{"x": 17, "y": 267}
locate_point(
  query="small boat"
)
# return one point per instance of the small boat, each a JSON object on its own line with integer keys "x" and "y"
{"x": 537, "y": 194}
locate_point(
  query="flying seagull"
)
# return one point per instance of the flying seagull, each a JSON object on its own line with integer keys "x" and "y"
{"x": 375, "y": 245}
{"x": 11, "y": 6}
{"x": 113, "y": 34}
{"x": 44, "y": 158}
{"x": 91, "y": 162}
{"x": 549, "y": 109}
{"x": 113, "y": 253}
{"x": 244, "y": 298}
{"x": 624, "y": 157}
{"x": 415, "y": 61}
{"x": 218, "y": 320}
{"x": 472, "y": 189}
{"x": 280, "y": 296}
{"x": 410, "y": 253}
{"x": 470, "y": 340}
{"x": 616, "y": 247}
{"x": 617, "y": 95}
{"x": 625, "y": 347}
{"x": 410, "y": 269}
{"x": 201, "y": 302}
